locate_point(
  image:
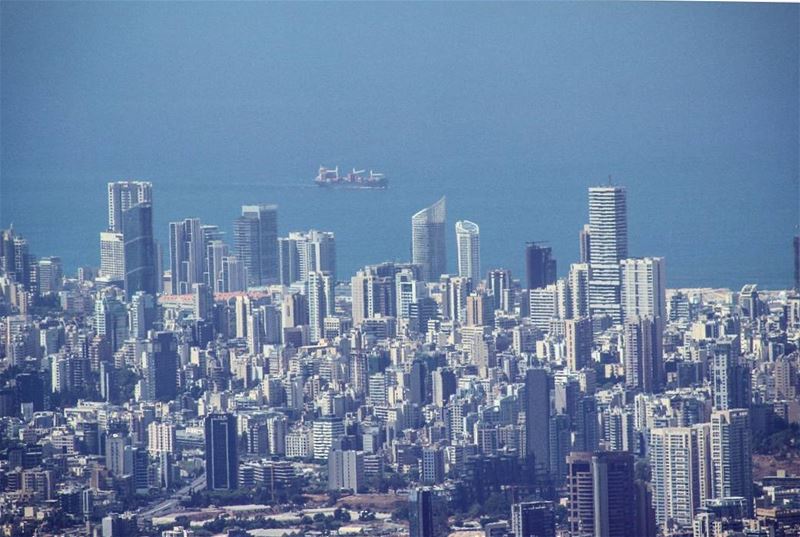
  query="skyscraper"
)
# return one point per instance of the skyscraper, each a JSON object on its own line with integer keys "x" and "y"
{"x": 543, "y": 306}
{"x": 643, "y": 290}
{"x": 730, "y": 377}
{"x": 608, "y": 228}
{"x": 533, "y": 519}
{"x": 50, "y": 275}
{"x": 373, "y": 291}
{"x": 408, "y": 290}
{"x": 468, "y": 244}
{"x": 499, "y": 283}
{"x": 140, "y": 250}
{"x": 680, "y": 466}
{"x": 578, "y": 339}
{"x": 122, "y": 195}
{"x": 585, "y": 238}
{"x": 537, "y": 417}
{"x": 539, "y": 266}
{"x": 162, "y": 354}
{"x": 216, "y": 251}
{"x": 222, "y": 457}
{"x": 579, "y": 289}
{"x": 112, "y": 256}
{"x": 731, "y": 455}
{"x": 428, "y": 245}
{"x": 427, "y": 516}
{"x": 186, "y": 255}
{"x": 255, "y": 236}
{"x": 320, "y": 302}
{"x": 643, "y": 353}
{"x": 303, "y": 252}
{"x": 600, "y": 489}
{"x": 443, "y": 386}
{"x": 346, "y": 470}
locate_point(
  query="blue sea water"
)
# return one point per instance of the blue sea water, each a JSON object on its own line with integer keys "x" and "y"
{"x": 511, "y": 110}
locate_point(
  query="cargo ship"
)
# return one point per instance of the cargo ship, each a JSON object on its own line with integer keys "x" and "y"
{"x": 354, "y": 179}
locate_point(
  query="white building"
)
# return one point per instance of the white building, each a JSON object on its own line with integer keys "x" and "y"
{"x": 608, "y": 229}
{"x": 643, "y": 288}
{"x": 468, "y": 244}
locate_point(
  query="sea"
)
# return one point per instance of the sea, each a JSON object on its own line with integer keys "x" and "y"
{"x": 510, "y": 110}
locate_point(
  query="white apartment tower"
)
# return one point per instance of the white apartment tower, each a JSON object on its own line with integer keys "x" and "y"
{"x": 608, "y": 226}
{"x": 468, "y": 244}
{"x": 643, "y": 288}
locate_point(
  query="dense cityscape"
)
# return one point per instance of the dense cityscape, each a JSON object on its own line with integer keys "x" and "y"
{"x": 240, "y": 385}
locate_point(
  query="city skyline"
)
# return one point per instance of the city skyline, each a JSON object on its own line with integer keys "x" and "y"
{"x": 692, "y": 136}
{"x": 556, "y": 295}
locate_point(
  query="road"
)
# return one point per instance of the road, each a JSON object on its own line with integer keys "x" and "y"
{"x": 167, "y": 505}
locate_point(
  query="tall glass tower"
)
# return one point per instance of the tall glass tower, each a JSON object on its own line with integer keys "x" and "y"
{"x": 428, "y": 248}
{"x": 139, "y": 250}
{"x": 255, "y": 236}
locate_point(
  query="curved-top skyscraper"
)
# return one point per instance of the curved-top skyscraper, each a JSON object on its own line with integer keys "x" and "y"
{"x": 428, "y": 247}
{"x": 468, "y": 247}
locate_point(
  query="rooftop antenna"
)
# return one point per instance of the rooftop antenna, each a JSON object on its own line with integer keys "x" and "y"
{"x": 609, "y": 180}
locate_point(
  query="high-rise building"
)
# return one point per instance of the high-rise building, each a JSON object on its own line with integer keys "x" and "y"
{"x": 730, "y": 376}
{"x": 680, "y": 467}
{"x": 643, "y": 288}
{"x": 304, "y": 252}
{"x": 643, "y": 354}
{"x": 256, "y": 243}
{"x": 600, "y": 489}
{"x": 234, "y": 275}
{"x": 187, "y": 250}
{"x": 578, "y": 339}
{"x": 537, "y": 417}
{"x": 479, "y": 310}
{"x": 585, "y": 238}
{"x": 533, "y": 519}
{"x": 346, "y": 470}
{"x": 578, "y": 279}
{"x": 327, "y": 432}
{"x": 468, "y": 245}
{"x": 432, "y": 465}
{"x": 731, "y": 455}
{"x": 142, "y": 313}
{"x": 543, "y": 306}
{"x": 587, "y": 433}
{"x": 222, "y": 457}
{"x": 216, "y": 251}
{"x": 202, "y": 301}
{"x": 540, "y": 266}
{"x": 112, "y": 256}
{"x": 373, "y": 290}
{"x": 443, "y": 386}
{"x": 162, "y": 358}
{"x": 321, "y": 302}
{"x": 408, "y": 290}
{"x": 454, "y": 291}
{"x": 499, "y": 283}
{"x": 608, "y": 228}
{"x": 140, "y": 250}
{"x": 427, "y": 514}
{"x": 118, "y": 460}
{"x": 50, "y": 275}
{"x": 122, "y": 195}
{"x": 428, "y": 245}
